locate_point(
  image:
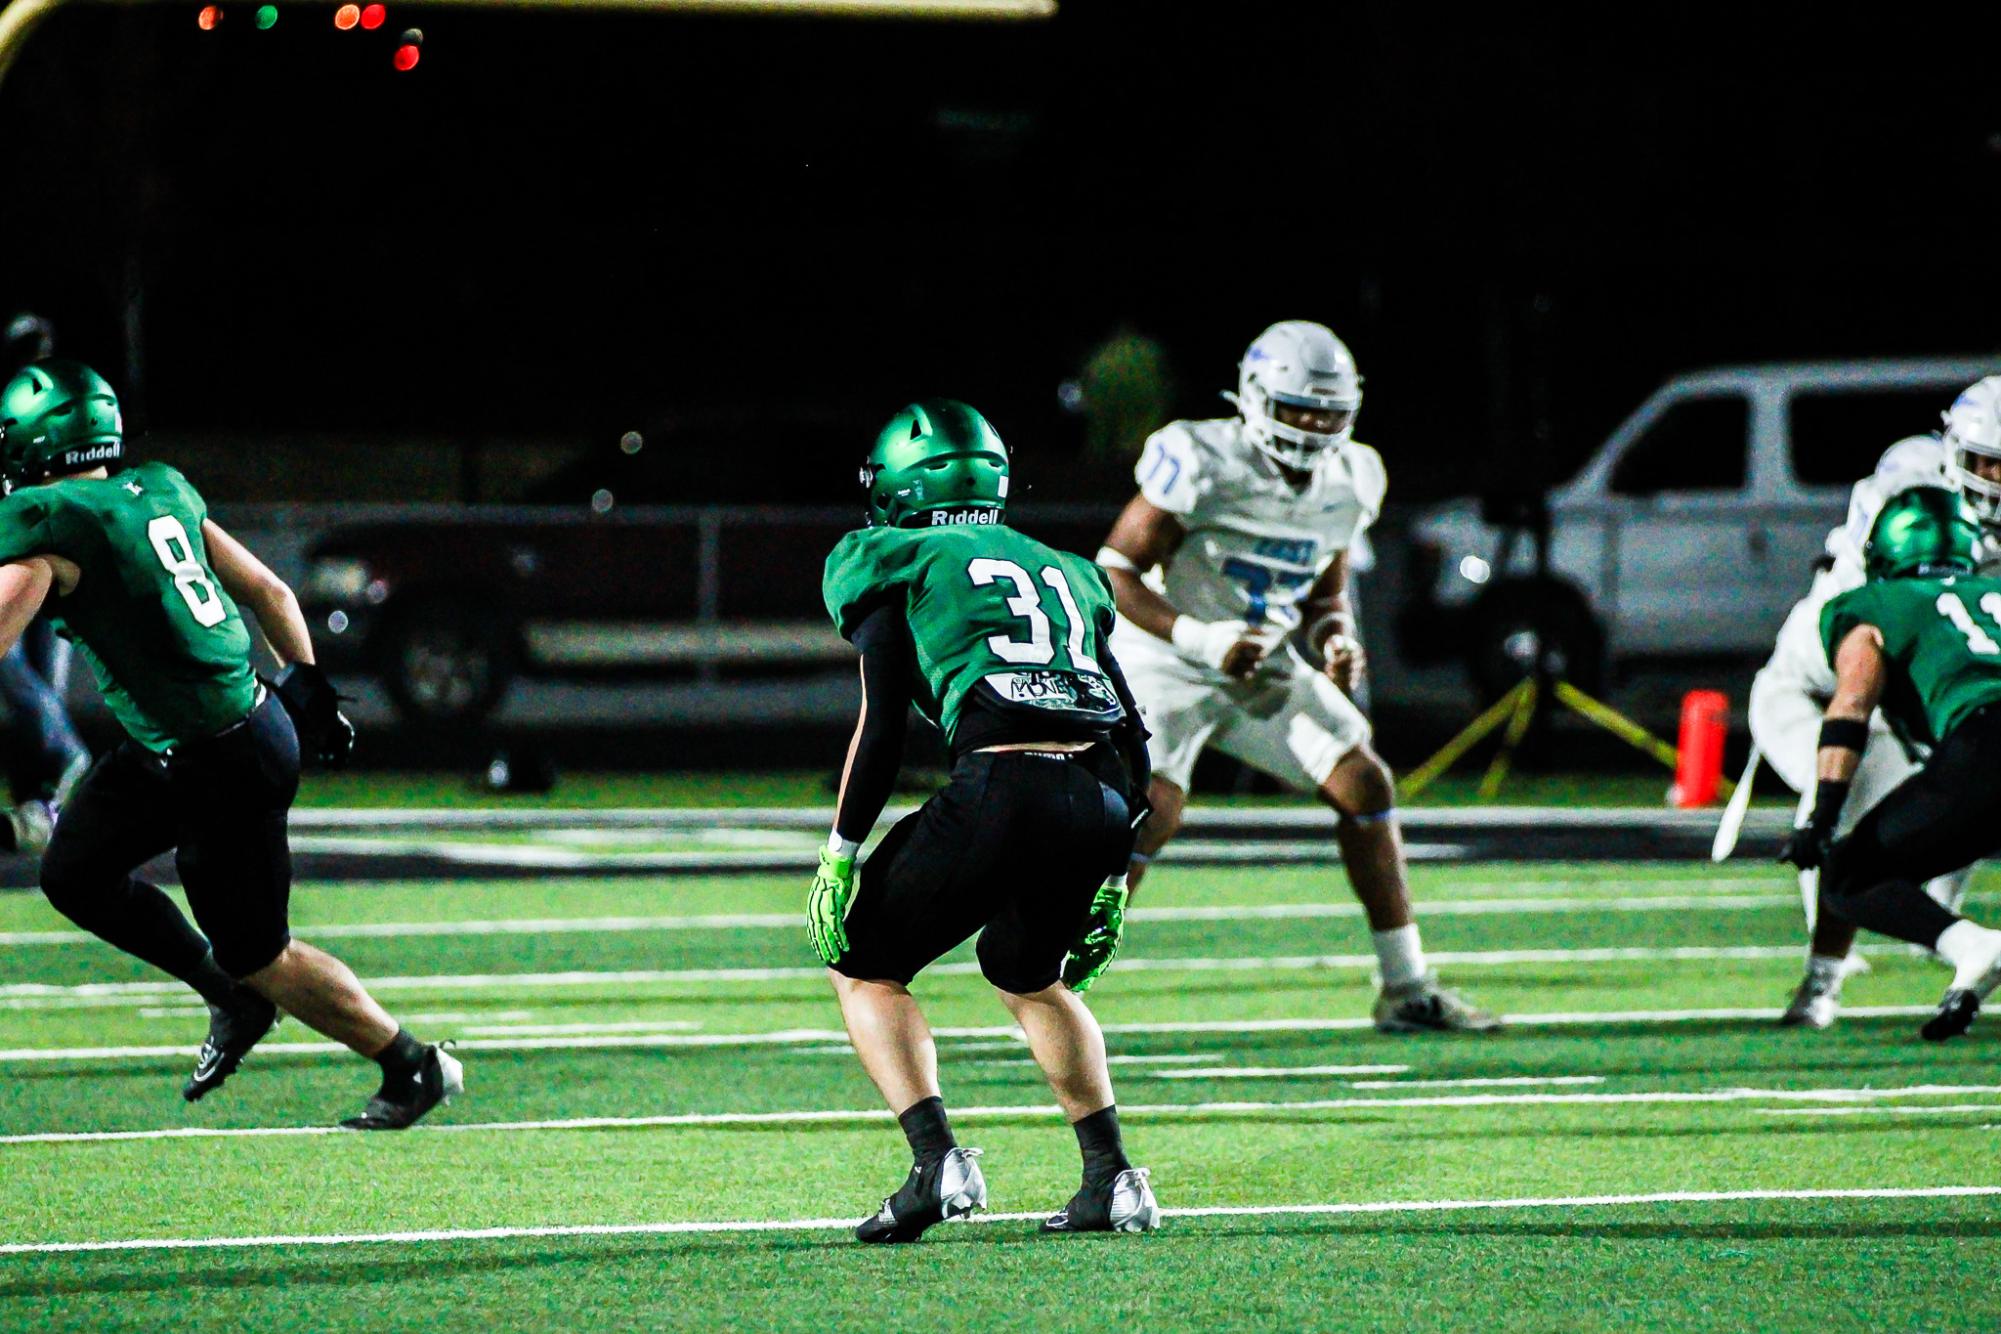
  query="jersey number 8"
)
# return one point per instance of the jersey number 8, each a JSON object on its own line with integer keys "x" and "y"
{"x": 177, "y": 554}
{"x": 1026, "y": 603}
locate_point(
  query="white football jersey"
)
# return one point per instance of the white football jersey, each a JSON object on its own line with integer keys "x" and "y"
{"x": 1799, "y": 659}
{"x": 1254, "y": 545}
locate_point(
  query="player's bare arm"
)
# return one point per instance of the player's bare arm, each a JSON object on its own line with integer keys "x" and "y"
{"x": 1861, "y": 669}
{"x": 1329, "y": 617}
{"x": 24, "y": 586}
{"x": 1143, "y": 537}
{"x": 252, "y": 584}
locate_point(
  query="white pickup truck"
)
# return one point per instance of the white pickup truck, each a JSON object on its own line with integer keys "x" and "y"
{"x": 1689, "y": 533}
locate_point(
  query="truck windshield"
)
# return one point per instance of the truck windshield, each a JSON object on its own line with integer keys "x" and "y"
{"x": 1698, "y": 444}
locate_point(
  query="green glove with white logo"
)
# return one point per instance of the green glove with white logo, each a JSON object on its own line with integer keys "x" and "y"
{"x": 827, "y": 906}
{"x": 1104, "y": 928}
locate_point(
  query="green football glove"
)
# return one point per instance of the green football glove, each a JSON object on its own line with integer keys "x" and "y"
{"x": 1104, "y": 928}
{"x": 827, "y": 906}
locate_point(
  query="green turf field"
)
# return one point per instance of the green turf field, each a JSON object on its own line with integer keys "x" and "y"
{"x": 662, "y": 1117}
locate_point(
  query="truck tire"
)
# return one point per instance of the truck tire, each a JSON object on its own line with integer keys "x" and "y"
{"x": 447, "y": 663}
{"x": 1513, "y": 624}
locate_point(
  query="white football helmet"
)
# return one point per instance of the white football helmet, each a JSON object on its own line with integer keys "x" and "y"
{"x": 1973, "y": 431}
{"x": 1299, "y": 364}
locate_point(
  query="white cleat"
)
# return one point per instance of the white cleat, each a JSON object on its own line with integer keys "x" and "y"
{"x": 1125, "y": 1204}
{"x": 1425, "y": 1007}
{"x": 1815, "y": 1004}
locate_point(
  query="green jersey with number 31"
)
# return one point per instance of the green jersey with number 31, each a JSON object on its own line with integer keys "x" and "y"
{"x": 1944, "y": 635}
{"x": 169, "y": 648}
{"x": 989, "y": 609}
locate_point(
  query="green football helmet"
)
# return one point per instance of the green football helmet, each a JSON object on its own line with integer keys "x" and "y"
{"x": 937, "y": 462}
{"x": 57, "y": 417}
{"x": 1924, "y": 530}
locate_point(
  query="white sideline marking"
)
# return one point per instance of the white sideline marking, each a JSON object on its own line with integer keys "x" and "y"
{"x": 48, "y": 995}
{"x": 834, "y": 1224}
{"x": 838, "y": 1116}
{"x": 1274, "y": 1072}
{"x": 555, "y": 1030}
{"x": 810, "y": 1036}
{"x": 1900, "y": 1111}
{"x": 550, "y": 926}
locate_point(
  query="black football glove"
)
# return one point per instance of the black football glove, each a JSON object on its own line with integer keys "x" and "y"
{"x": 1807, "y": 848}
{"x": 310, "y": 698}
{"x": 1809, "y": 844}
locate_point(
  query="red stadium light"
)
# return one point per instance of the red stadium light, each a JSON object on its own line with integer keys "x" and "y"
{"x": 407, "y": 56}
{"x": 210, "y": 18}
{"x": 347, "y": 16}
{"x": 372, "y": 16}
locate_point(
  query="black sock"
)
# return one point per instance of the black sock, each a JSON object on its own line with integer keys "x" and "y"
{"x": 210, "y": 982}
{"x": 400, "y": 1061}
{"x": 924, "y": 1125}
{"x": 1098, "y": 1138}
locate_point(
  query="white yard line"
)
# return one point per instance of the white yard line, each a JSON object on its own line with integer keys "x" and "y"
{"x": 1880, "y": 1111}
{"x": 841, "y": 1224}
{"x": 1274, "y": 1071}
{"x": 840, "y": 1116}
{"x": 812, "y": 1036}
{"x": 47, "y": 995}
{"x": 553, "y": 926}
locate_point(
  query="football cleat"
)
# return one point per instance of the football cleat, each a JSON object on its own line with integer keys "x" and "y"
{"x": 1959, "y": 1005}
{"x": 1814, "y": 1004}
{"x": 1955, "y": 1015}
{"x": 31, "y": 824}
{"x": 1425, "y": 1007}
{"x": 233, "y": 1030}
{"x": 936, "y": 1192}
{"x": 439, "y": 1079}
{"x": 1123, "y": 1204}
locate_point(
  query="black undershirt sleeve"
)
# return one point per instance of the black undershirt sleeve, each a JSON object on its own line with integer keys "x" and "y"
{"x": 888, "y": 662}
{"x": 1129, "y": 739}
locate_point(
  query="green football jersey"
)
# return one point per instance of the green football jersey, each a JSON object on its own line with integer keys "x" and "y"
{"x": 1944, "y": 636}
{"x": 989, "y": 609}
{"x": 169, "y": 649}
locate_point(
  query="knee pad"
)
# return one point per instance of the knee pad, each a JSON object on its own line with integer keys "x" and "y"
{"x": 241, "y": 953}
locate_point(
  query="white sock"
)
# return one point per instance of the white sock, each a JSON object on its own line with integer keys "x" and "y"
{"x": 1400, "y": 956}
{"x": 1827, "y": 970}
{"x": 1970, "y": 949}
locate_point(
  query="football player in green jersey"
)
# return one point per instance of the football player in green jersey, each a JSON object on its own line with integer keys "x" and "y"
{"x": 147, "y": 585}
{"x": 1922, "y": 640}
{"x": 1000, "y": 642}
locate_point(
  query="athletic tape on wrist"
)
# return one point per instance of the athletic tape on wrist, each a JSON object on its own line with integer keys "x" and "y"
{"x": 1844, "y": 734}
{"x": 1110, "y": 559}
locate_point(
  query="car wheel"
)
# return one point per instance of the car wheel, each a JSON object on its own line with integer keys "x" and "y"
{"x": 1516, "y": 627}
{"x": 445, "y": 663}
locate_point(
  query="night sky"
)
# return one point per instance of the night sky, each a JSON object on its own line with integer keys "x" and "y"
{"x": 562, "y": 224}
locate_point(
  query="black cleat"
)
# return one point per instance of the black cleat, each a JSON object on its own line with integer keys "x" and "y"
{"x": 1955, "y": 1015}
{"x": 232, "y": 1031}
{"x": 439, "y": 1079}
{"x": 938, "y": 1192}
{"x": 1123, "y": 1204}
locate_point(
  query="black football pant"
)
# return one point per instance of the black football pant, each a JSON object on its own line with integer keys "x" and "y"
{"x": 1014, "y": 847}
{"x": 219, "y": 804}
{"x": 1945, "y": 816}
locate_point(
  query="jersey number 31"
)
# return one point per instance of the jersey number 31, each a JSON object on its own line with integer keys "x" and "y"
{"x": 1036, "y": 650}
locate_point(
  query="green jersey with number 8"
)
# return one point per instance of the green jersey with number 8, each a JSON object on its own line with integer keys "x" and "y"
{"x": 1944, "y": 635}
{"x": 989, "y": 609}
{"x": 170, "y": 650}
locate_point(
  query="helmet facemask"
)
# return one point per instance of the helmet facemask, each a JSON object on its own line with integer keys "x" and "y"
{"x": 1973, "y": 448}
